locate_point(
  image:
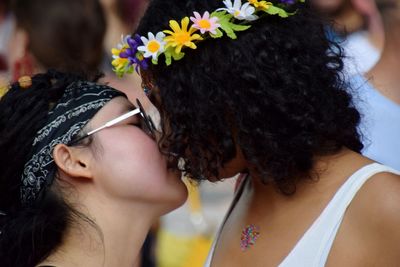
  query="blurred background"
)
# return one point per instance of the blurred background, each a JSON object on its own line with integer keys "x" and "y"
{"x": 77, "y": 35}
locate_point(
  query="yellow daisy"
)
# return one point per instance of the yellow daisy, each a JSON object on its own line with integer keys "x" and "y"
{"x": 181, "y": 36}
{"x": 118, "y": 62}
{"x": 263, "y": 5}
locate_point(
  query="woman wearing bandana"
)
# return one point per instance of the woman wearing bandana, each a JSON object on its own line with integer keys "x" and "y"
{"x": 81, "y": 177}
{"x": 255, "y": 87}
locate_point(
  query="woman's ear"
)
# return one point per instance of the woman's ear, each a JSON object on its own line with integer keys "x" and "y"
{"x": 73, "y": 161}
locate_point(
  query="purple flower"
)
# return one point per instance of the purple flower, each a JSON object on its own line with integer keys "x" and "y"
{"x": 132, "y": 53}
{"x": 133, "y": 44}
{"x": 288, "y": 2}
{"x": 141, "y": 62}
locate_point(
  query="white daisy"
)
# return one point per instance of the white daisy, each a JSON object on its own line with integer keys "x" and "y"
{"x": 152, "y": 46}
{"x": 239, "y": 11}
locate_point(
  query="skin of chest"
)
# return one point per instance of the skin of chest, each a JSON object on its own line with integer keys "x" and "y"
{"x": 283, "y": 223}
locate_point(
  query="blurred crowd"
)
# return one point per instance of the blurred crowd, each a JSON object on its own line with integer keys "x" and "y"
{"x": 76, "y": 35}
{"x": 357, "y": 26}
{"x": 67, "y": 35}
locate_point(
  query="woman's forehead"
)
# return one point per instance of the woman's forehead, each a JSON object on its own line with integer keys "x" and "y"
{"x": 115, "y": 107}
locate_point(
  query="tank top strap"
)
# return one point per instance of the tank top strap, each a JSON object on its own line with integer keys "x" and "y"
{"x": 241, "y": 183}
{"x": 316, "y": 243}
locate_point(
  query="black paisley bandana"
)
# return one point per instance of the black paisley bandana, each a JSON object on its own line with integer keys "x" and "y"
{"x": 80, "y": 102}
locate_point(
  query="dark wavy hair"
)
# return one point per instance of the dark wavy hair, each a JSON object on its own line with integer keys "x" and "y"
{"x": 276, "y": 92}
{"x": 29, "y": 233}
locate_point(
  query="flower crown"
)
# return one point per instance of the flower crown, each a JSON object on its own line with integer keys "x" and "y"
{"x": 138, "y": 51}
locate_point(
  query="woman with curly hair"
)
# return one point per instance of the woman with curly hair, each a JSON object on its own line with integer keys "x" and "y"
{"x": 72, "y": 192}
{"x": 256, "y": 88}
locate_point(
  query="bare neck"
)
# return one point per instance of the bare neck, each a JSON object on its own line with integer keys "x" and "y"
{"x": 115, "y": 240}
{"x": 331, "y": 172}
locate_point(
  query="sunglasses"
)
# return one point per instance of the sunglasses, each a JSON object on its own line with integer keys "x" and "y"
{"x": 146, "y": 122}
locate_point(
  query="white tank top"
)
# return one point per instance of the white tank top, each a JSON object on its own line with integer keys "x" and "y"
{"x": 313, "y": 248}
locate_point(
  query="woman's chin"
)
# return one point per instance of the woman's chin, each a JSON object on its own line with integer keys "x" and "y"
{"x": 178, "y": 192}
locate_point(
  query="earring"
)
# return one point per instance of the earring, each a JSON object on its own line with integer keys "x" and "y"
{"x": 147, "y": 91}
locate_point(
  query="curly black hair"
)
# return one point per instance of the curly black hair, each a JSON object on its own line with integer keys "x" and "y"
{"x": 276, "y": 92}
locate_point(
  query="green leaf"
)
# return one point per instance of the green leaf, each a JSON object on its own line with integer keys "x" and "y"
{"x": 226, "y": 26}
{"x": 283, "y": 14}
{"x": 130, "y": 70}
{"x": 119, "y": 74}
{"x": 225, "y": 20}
{"x": 217, "y": 35}
{"x": 154, "y": 61}
{"x": 179, "y": 56}
{"x": 168, "y": 56}
{"x": 273, "y": 10}
{"x": 239, "y": 28}
{"x": 171, "y": 54}
{"x": 221, "y": 15}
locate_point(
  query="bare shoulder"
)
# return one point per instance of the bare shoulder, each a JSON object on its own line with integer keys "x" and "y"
{"x": 379, "y": 199}
{"x": 376, "y": 212}
{"x": 381, "y": 193}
